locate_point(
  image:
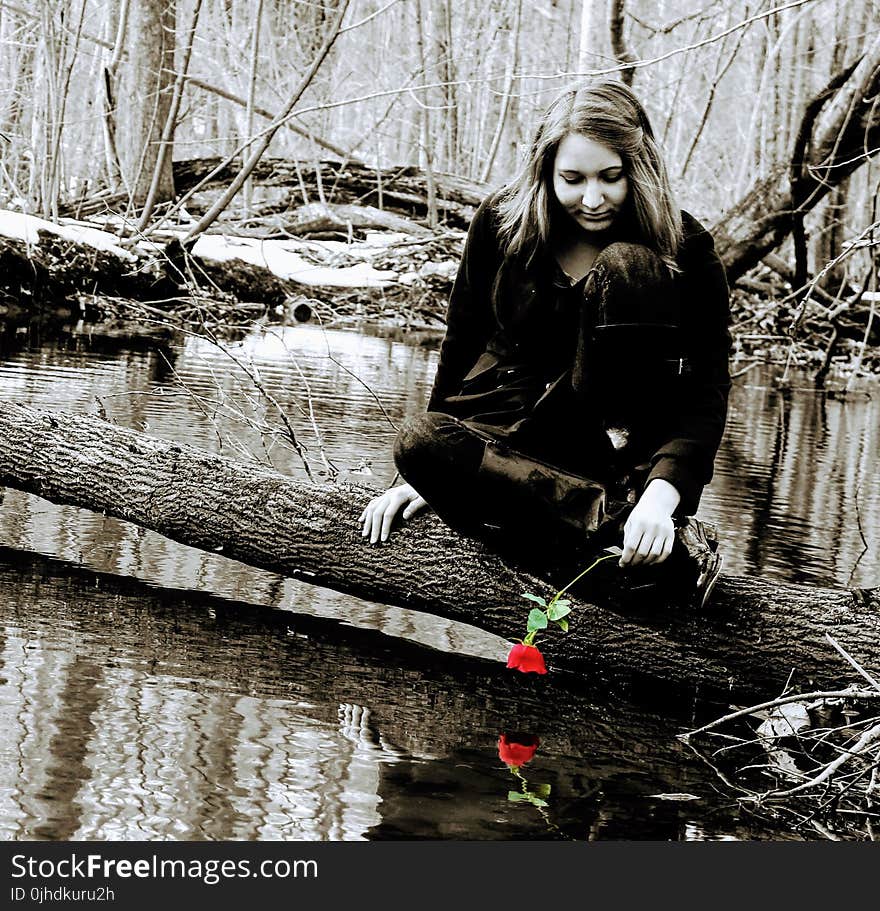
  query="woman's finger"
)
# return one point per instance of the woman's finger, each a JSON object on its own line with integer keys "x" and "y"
{"x": 632, "y": 536}
{"x": 366, "y": 517}
{"x": 641, "y": 551}
{"x": 413, "y": 507}
{"x": 376, "y": 525}
{"x": 387, "y": 519}
{"x": 655, "y": 554}
{"x": 373, "y": 512}
{"x": 644, "y": 550}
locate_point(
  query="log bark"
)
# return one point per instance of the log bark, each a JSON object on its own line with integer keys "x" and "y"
{"x": 752, "y": 638}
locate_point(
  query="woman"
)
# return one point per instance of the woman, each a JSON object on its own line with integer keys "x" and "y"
{"x": 583, "y": 380}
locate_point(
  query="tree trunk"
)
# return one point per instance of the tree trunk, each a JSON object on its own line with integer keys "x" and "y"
{"x": 143, "y": 98}
{"x": 846, "y": 136}
{"x": 755, "y": 635}
{"x": 618, "y": 41}
{"x": 593, "y": 47}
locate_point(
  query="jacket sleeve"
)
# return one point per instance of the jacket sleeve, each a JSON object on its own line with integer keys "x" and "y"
{"x": 469, "y": 315}
{"x": 686, "y": 458}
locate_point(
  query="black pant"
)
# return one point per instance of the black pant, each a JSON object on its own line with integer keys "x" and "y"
{"x": 531, "y": 510}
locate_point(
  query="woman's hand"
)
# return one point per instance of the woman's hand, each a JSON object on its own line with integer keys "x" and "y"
{"x": 649, "y": 534}
{"x": 380, "y": 511}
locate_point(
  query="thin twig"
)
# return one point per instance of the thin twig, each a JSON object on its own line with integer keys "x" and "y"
{"x": 354, "y": 375}
{"x": 331, "y": 469}
{"x": 852, "y": 661}
{"x": 849, "y": 693}
{"x": 868, "y": 738}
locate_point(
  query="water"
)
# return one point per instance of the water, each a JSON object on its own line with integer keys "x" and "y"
{"x": 149, "y": 690}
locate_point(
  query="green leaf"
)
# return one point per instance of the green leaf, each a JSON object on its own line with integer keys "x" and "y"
{"x": 558, "y": 611}
{"x": 537, "y": 620}
{"x": 537, "y": 802}
{"x": 535, "y": 598}
{"x": 541, "y": 790}
{"x": 563, "y": 602}
{"x": 516, "y": 795}
{"x": 563, "y": 625}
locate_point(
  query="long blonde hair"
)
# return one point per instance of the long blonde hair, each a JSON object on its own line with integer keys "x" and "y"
{"x": 608, "y": 113}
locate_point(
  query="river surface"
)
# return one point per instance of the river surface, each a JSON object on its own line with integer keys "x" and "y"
{"x": 152, "y": 691}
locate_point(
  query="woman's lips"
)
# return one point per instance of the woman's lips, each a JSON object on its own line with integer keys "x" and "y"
{"x": 596, "y": 216}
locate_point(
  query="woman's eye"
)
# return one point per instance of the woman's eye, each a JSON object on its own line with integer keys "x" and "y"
{"x": 614, "y": 177}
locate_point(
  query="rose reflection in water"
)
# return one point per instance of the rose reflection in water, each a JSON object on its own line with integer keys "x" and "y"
{"x": 515, "y": 750}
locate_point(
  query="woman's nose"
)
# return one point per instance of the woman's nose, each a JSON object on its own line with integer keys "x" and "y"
{"x": 593, "y": 196}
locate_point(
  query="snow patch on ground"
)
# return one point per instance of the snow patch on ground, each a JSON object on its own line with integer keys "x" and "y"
{"x": 19, "y": 226}
{"x": 280, "y": 257}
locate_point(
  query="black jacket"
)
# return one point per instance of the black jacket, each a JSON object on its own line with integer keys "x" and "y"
{"x": 510, "y": 343}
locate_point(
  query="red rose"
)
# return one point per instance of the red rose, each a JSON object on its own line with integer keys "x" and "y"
{"x": 517, "y": 749}
{"x": 526, "y": 658}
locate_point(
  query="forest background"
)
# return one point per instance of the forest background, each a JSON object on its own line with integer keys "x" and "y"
{"x": 767, "y": 113}
{"x": 166, "y": 124}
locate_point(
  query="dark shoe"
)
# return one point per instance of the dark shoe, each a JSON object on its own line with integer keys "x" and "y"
{"x": 700, "y": 543}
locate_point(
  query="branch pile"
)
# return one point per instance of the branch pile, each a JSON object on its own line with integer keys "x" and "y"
{"x": 810, "y": 761}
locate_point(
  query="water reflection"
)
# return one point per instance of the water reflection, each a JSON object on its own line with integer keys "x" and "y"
{"x": 797, "y": 479}
{"x": 130, "y": 710}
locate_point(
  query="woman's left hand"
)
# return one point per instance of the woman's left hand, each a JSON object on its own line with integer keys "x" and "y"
{"x": 649, "y": 534}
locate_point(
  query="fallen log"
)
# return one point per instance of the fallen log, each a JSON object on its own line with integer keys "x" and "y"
{"x": 402, "y": 190}
{"x": 754, "y": 637}
{"x": 316, "y": 217}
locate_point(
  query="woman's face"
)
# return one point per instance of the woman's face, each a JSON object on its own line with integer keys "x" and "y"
{"x": 589, "y": 182}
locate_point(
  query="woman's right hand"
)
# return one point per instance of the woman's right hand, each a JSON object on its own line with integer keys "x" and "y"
{"x": 380, "y": 512}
